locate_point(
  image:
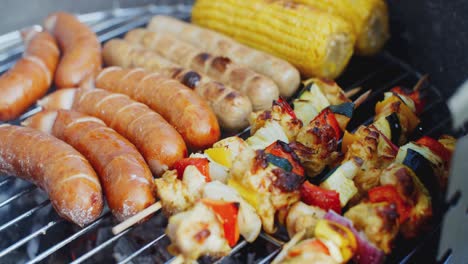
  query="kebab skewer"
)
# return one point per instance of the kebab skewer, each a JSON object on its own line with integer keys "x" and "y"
{"x": 401, "y": 204}
{"x": 239, "y": 148}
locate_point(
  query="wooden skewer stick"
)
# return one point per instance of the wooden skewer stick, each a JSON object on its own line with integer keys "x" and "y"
{"x": 424, "y": 79}
{"x": 136, "y": 218}
{"x": 286, "y": 247}
{"x": 353, "y": 92}
{"x": 361, "y": 99}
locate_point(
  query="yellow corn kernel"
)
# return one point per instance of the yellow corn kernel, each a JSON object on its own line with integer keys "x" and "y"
{"x": 316, "y": 42}
{"x": 368, "y": 17}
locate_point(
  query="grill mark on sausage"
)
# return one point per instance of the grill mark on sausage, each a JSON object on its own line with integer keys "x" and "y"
{"x": 85, "y": 119}
{"x": 220, "y": 63}
{"x": 201, "y": 58}
{"x": 82, "y": 176}
{"x": 176, "y": 72}
{"x": 191, "y": 79}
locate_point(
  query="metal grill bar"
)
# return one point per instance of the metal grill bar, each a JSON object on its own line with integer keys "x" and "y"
{"x": 101, "y": 246}
{"x": 142, "y": 249}
{"x": 269, "y": 257}
{"x": 170, "y": 260}
{"x": 97, "y": 27}
{"x": 6, "y": 180}
{"x": 234, "y": 250}
{"x": 118, "y": 31}
{"x": 18, "y": 195}
{"x": 24, "y": 215}
{"x": 6, "y": 66}
{"x": 271, "y": 239}
{"x": 69, "y": 239}
{"x": 115, "y": 23}
{"x": 26, "y": 239}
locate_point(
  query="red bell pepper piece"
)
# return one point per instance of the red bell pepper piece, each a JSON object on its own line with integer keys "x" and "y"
{"x": 436, "y": 147}
{"x": 416, "y": 96}
{"x": 202, "y": 164}
{"x": 227, "y": 213}
{"x": 282, "y": 150}
{"x": 327, "y": 117}
{"x": 325, "y": 199}
{"x": 284, "y": 105}
{"x": 388, "y": 193}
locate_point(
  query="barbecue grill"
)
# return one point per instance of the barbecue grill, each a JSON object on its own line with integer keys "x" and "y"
{"x": 32, "y": 232}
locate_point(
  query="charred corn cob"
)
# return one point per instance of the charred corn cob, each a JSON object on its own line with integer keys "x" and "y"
{"x": 316, "y": 42}
{"x": 369, "y": 19}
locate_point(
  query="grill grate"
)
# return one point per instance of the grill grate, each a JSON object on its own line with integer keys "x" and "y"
{"x": 36, "y": 234}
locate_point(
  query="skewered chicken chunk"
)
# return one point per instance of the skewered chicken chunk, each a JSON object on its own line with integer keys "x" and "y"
{"x": 415, "y": 194}
{"x": 303, "y": 217}
{"x": 376, "y": 155}
{"x": 178, "y": 195}
{"x": 248, "y": 221}
{"x": 197, "y": 232}
{"x": 265, "y": 186}
{"x": 304, "y": 253}
{"x": 280, "y": 112}
{"x": 379, "y": 221}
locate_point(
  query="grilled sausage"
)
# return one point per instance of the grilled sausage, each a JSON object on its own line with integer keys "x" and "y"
{"x": 31, "y": 76}
{"x": 157, "y": 141}
{"x": 56, "y": 167}
{"x": 125, "y": 177}
{"x": 181, "y": 107}
{"x": 285, "y": 75}
{"x": 81, "y": 49}
{"x": 231, "y": 108}
{"x": 260, "y": 89}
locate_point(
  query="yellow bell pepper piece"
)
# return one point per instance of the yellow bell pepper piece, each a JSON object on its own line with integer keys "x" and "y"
{"x": 250, "y": 196}
{"x": 221, "y": 156}
{"x": 339, "y": 235}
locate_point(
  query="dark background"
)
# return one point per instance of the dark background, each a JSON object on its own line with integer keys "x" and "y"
{"x": 431, "y": 35}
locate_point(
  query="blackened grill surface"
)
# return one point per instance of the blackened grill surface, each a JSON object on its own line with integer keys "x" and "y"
{"x": 32, "y": 231}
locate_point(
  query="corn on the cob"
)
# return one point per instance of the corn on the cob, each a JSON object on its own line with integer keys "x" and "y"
{"x": 316, "y": 42}
{"x": 368, "y": 17}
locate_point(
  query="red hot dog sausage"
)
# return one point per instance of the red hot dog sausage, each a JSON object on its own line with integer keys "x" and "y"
{"x": 31, "y": 76}
{"x": 178, "y": 104}
{"x": 81, "y": 49}
{"x": 159, "y": 143}
{"x": 125, "y": 177}
{"x": 56, "y": 167}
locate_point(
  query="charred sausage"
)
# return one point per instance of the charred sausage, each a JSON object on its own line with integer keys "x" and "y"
{"x": 31, "y": 76}
{"x": 81, "y": 49}
{"x": 285, "y": 75}
{"x": 180, "y": 106}
{"x": 56, "y": 167}
{"x": 159, "y": 143}
{"x": 125, "y": 177}
{"x": 261, "y": 90}
{"x": 231, "y": 108}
